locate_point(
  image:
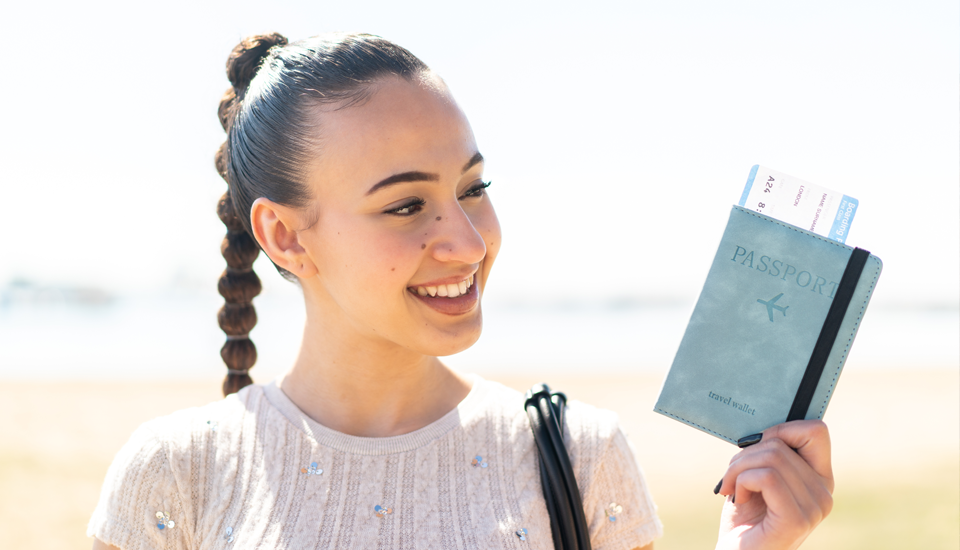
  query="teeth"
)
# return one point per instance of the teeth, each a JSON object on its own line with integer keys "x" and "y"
{"x": 451, "y": 290}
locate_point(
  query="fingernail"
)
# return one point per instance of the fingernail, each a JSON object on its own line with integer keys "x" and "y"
{"x": 746, "y": 441}
{"x": 716, "y": 489}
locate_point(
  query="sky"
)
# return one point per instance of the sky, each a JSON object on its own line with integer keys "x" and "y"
{"x": 616, "y": 134}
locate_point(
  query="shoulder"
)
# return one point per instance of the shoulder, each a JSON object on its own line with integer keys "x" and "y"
{"x": 611, "y": 482}
{"x": 593, "y": 436}
{"x": 586, "y": 425}
{"x": 592, "y": 428}
{"x": 152, "y": 477}
{"x": 589, "y": 431}
{"x": 177, "y": 439}
{"x": 178, "y": 429}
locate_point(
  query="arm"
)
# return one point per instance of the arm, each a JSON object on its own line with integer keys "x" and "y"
{"x": 98, "y": 545}
{"x": 778, "y": 490}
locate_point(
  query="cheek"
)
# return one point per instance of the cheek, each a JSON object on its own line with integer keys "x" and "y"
{"x": 368, "y": 262}
{"x": 488, "y": 226}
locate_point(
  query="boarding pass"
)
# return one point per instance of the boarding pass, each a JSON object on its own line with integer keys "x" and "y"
{"x": 800, "y": 203}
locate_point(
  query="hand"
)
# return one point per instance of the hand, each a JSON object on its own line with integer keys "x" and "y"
{"x": 778, "y": 490}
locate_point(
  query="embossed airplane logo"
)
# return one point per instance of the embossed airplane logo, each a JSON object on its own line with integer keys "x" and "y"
{"x": 771, "y": 306}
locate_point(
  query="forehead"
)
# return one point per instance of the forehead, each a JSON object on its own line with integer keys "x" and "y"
{"x": 401, "y": 126}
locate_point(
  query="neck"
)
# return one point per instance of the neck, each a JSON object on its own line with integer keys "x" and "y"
{"x": 365, "y": 386}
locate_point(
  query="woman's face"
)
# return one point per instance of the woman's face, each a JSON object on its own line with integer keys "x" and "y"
{"x": 405, "y": 235}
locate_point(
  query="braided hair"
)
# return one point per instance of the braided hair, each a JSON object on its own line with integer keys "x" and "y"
{"x": 272, "y": 133}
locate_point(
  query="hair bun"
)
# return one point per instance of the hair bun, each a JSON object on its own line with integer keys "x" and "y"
{"x": 246, "y": 57}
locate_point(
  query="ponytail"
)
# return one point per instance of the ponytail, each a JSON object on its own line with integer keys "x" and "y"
{"x": 271, "y": 135}
{"x": 238, "y": 283}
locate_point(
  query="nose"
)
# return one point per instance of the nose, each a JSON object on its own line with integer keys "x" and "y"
{"x": 457, "y": 239}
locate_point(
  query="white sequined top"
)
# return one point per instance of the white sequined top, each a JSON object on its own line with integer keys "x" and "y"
{"x": 253, "y": 471}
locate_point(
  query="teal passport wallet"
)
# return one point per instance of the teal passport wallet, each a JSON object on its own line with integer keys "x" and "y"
{"x": 771, "y": 330}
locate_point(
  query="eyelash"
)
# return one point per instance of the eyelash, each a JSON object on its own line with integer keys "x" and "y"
{"x": 473, "y": 192}
{"x": 417, "y": 203}
{"x": 477, "y": 190}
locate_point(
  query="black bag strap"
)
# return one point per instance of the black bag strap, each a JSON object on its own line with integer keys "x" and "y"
{"x": 568, "y": 525}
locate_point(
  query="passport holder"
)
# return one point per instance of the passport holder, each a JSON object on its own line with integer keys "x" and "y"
{"x": 771, "y": 330}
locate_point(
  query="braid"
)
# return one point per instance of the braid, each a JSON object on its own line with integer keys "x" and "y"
{"x": 238, "y": 283}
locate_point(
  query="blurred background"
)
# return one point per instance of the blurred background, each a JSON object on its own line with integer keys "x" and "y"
{"x": 617, "y": 135}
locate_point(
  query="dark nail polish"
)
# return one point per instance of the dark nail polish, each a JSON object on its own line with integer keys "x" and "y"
{"x": 746, "y": 441}
{"x": 716, "y": 489}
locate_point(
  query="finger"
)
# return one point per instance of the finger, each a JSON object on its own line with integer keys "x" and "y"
{"x": 745, "y": 442}
{"x": 807, "y": 486}
{"x": 770, "y": 453}
{"x": 784, "y": 513}
{"x": 811, "y": 439}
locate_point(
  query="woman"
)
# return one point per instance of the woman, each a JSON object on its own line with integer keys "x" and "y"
{"x": 351, "y": 165}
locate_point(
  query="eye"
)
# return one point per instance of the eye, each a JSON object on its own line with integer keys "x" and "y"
{"x": 476, "y": 190}
{"x": 407, "y": 209}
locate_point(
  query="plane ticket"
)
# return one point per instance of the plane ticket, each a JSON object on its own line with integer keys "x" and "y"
{"x": 800, "y": 203}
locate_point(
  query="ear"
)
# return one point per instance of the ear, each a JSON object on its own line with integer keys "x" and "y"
{"x": 274, "y": 227}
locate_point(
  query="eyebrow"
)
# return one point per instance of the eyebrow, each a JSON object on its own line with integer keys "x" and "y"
{"x": 404, "y": 177}
{"x": 474, "y": 160}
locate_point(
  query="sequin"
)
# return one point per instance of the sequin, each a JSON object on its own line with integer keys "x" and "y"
{"x": 313, "y": 470}
{"x": 212, "y": 424}
{"x": 382, "y": 511}
{"x": 522, "y": 533}
{"x": 613, "y": 510}
{"x": 478, "y": 462}
{"x": 164, "y": 521}
{"x": 229, "y": 534}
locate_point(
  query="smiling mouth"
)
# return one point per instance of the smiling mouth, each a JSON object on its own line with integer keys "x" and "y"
{"x": 450, "y": 299}
{"x": 452, "y": 290}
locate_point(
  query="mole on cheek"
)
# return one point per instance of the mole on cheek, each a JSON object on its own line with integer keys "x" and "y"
{"x": 438, "y": 218}
{"x": 393, "y": 269}
{"x": 422, "y": 246}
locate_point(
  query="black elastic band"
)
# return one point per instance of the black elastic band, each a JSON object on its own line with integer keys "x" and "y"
{"x": 828, "y": 334}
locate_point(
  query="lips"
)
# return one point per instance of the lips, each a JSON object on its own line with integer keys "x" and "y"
{"x": 450, "y": 290}
{"x": 454, "y": 298}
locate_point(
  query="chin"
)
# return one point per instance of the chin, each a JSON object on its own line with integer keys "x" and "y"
{"x": 453, "y": 340}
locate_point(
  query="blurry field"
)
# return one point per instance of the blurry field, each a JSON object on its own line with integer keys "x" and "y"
{"x": 896, "y": 438}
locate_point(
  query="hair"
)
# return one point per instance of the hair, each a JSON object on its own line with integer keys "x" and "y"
{"x": 271, "y": 136}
